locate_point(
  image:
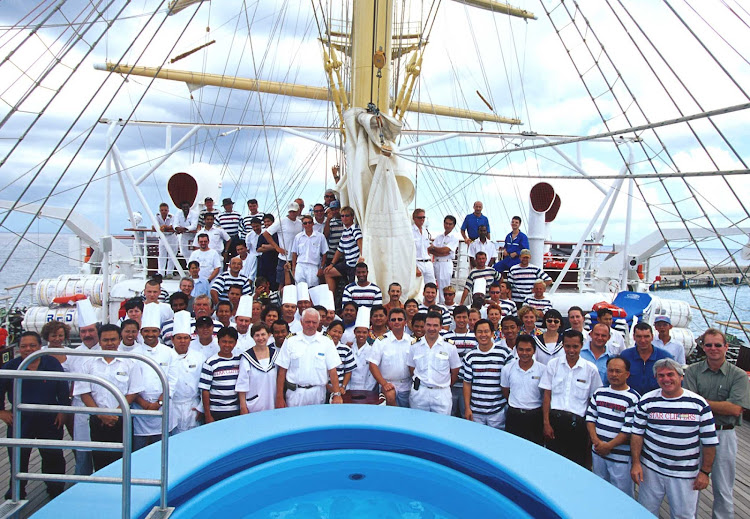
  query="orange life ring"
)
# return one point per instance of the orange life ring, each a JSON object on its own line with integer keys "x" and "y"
{"x": 65, "y": 300}
{"x": 617, "y": 312}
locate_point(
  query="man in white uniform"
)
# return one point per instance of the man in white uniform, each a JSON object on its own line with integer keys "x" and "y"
{"x": 388, "y": 360}
{"x": 361, "y": 376}
{"x": 185, "y": 403}
{"x": 568, "y": 383}
{"x": 422, "y": 243}
{"x": 166, "y": 226}
{"x": 125, "y": 374}
{"x": 147, "y": 429}
{"x": 88, "y": 330}
{"x": 434, "y": 365}
{"x": 307, "y": 362}
{"x": 185, "y": 224}
{"x": 444, "y": 250}
{"x": 309, "y": 254}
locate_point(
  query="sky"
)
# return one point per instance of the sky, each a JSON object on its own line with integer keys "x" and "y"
{"x": 521, "y": 67}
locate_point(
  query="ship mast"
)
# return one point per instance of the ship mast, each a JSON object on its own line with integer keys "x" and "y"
{"x": 371, "y": 32}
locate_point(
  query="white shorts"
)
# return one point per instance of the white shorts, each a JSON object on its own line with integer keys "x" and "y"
{"x": 308, "y": 273}
{"x": 310, "y": 396}
{"x": 438, "y": 400}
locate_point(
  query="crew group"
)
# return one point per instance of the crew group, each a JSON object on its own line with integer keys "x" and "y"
{"x": 506, "y": 359}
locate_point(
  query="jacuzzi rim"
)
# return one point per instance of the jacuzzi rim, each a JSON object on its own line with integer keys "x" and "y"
{"x": 378, "y": 428}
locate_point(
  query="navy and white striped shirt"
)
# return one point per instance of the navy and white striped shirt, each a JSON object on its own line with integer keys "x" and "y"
{"x": 202, "y": 217}
{"x": 446, "y": 319}
{"x": 522, "y": 280}
{"x": 464, "y": 342}
{"x": 483, "y": 371}
{"x": 612, "y": 411}
{"x": 219, "y": 377}
{"x": 348, "y": 245}
{"x": 673, "y": 430}
{"x": 368, "y": 295}
{"x": 508, "y": 307}
{"x": 538, "y": 304}
{"x": 223, "y": 281}
{"x": 230, "y": 222}
{"x": 348, "y": 362}
{"x": 245, "y": 227}
{"x": 488, "y": 273}
{"x": 336, "y": 229}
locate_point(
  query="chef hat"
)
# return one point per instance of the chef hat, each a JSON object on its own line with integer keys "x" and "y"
{"x": 363, "y": 318}
{"x": 181, "y": 323}
{"x": 289, "y": 295}
{"x": 328, "y": 301}
{"x": 480, "y": 286}
{"x": 245, "y": 308}
{"x": 86, "y": 314}
{"x": 151, "y": 316}
{"x": 318, "y": 294}
{"x": 303, "y": 293}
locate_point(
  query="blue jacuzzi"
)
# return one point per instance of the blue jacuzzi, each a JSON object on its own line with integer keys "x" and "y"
{"x": 353, "y": 461}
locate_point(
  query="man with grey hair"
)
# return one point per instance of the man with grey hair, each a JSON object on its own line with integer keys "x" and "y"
{"x": 669, "y": 428}
{"x": 305, "y": 364}
{"x": 725, "y": 388}
{"x": 186, "y": 287}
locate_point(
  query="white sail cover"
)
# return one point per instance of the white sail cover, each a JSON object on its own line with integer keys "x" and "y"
{"x": 379, "y": 191}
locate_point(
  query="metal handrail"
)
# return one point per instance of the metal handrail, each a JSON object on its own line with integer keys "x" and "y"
{"x": 124, "y": 410}
{"x": 17, "y": 441}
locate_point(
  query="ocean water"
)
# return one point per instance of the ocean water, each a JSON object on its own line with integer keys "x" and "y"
{"x": 30, "y": 252}
{"x": 28, "y": 256}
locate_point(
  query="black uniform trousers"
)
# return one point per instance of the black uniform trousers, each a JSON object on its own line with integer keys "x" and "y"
{"x": 526, "y": 423}
{"x": 571, "y": 437}
{"x": 41, "y": 426}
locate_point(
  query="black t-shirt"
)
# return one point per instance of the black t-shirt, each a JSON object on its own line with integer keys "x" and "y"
{"x": 267, "y": 260}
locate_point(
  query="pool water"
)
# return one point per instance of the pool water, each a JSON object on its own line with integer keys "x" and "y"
{"x": 349, "y": 483}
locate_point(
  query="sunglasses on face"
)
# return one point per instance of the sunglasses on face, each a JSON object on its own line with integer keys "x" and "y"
{"x": 554, "y": 321}
{"x": 713, "y": 345}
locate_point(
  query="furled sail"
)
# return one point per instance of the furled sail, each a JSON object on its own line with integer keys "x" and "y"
{"x": 379, "y": 191}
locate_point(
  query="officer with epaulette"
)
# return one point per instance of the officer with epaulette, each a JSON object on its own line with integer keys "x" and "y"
{"x": 434, "y": 365}
{"x": 305, "y": 364}
{"x": 387, "y": 360}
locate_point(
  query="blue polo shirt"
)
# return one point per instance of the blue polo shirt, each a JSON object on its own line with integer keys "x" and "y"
{"x": 471, "y": 225}
{"x": 600, "y": 363}
{"x": 642, "y": 377}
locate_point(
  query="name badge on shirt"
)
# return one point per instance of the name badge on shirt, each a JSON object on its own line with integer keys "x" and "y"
{"x": 581, "y": 380}
{"x": 121, "y": 373}
{"x": 321, "y": 354}
{"x": 191, "y": 366}
{"x": 443, "y": 354}
{"x": 164, "y": 364}
{"x": 535, "y": 377}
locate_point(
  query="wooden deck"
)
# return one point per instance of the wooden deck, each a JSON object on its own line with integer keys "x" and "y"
{"x": 37, "y": 494}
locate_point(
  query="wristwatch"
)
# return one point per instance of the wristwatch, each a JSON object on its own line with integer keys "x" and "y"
{"x": 160, "y": 402}
{"x": 706, "y": 473}
{"x": 337, "y": 393}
